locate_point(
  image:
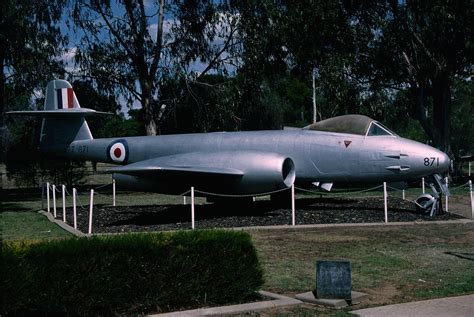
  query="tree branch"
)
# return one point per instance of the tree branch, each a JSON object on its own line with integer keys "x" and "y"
{"x": 115, "y": 33}
{"x": 159, "y": 38}
{"x": 218, "y": 54}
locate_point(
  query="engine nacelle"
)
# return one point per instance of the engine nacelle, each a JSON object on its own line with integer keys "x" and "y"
{"x": 261, "y": 172}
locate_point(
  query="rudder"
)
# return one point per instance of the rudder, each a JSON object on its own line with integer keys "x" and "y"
{"x": 62, "y": 127}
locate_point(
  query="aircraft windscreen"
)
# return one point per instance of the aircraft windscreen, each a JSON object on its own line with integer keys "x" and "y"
{"x": 378, "y": 129}
{"x": 351, "y": 124}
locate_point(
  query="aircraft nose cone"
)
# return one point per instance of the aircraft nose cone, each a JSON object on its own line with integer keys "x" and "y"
{"x": 437, "y": 160}
{"x": 444, "y": 162}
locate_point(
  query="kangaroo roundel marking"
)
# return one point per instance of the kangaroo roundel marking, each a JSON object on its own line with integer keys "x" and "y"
{"x": 117, "y": 151}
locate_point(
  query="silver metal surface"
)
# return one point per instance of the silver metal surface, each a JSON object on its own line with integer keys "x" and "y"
{"x": 245, "y": 162}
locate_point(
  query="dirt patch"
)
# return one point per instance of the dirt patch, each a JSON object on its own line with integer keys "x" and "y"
{"x": 383, "y": 295}
{"x": 107, "y": 219}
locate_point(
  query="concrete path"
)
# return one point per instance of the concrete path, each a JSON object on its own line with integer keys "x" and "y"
{"x": 459, "y": 306}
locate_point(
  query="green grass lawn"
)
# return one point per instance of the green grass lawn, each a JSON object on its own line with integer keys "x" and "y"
{"x": 392, "y": 263}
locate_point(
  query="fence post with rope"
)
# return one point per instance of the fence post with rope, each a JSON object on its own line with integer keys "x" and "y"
{"x": 47, "y": 196}
{"x": 446, "y": 197}
{"x": 385, "y": 206}
{"x": 472, "y": 201}
{"x": 63, "y": 191}
{"x": 192, "y": 207}
{"x": 54, "y": 200}
{"x": 113, "y": 192}
{"x": 74, "y": 208}
{"x": 91, "y": 208}
{"x": 293, "y": 217}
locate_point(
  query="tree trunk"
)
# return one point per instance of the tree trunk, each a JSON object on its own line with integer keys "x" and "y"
{"x": 442, "y": 112}
{"x": 418, "y": 112}
{"x": 147, "y": 106}
{"x": 148, "y": 113}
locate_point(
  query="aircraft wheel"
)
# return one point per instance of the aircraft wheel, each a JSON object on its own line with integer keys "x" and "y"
{"x": 424, "y": 203}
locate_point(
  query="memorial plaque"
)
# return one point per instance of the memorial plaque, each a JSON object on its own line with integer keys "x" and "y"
{"x": 333, "y": 280}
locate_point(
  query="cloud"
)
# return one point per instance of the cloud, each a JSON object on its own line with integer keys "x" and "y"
{"x": 68, "y": 58}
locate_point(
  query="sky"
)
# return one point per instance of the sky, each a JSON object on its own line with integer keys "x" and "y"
{"x": 151, "y": 7}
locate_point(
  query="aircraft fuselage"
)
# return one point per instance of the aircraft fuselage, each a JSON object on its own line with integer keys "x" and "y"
{"x": 318, "y": 156}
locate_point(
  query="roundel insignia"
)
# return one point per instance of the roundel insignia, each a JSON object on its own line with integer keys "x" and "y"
{"x": 117, "y": 151}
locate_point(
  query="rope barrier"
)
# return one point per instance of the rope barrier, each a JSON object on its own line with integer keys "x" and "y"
{"x": 79, "y": 201}
{"x": 102, "y": 186}
{"x": 82, "y": 206}
{"x": 185, "y": 193}
{"x": 394, "y": 188}
{"x": 459, "y": 187}
{"x": 242, "y": 196}
{"x": 341, "y": 194}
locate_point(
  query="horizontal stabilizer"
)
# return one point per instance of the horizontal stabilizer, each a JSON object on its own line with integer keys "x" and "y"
{"x": 80, "y": 112}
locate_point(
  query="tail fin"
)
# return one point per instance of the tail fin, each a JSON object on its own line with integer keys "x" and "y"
{"x": 60, "y": 95}
{"x": 62, "y": 129}
{"x": 63, "y": 118}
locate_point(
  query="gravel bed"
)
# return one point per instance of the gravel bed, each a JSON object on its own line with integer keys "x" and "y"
{"x": 108, "y": 219}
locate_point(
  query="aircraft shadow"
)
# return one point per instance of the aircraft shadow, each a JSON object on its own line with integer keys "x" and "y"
{"x": 171, "y": 214}
{"x": 260, "y": 212}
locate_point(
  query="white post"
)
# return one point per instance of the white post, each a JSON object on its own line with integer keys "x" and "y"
{"x": 469, "y": 172}
{"x": 446, "y": 197}
{"x": 192, "y": 208}
{"x": 63, "y": 189}
{"x": 54, "y": 201}
{"x": 113, "y": 192}
{"x": 293, "y": 221}
{"x": 184, "y": 200}
{"x": 423, "y": 184}
{"x": 472, "y": 201}
{"x": 47, "y": 196}
{"x": 315, "y": 113}
{"x": 91, "y": 207}
{"x": 385, "y": 201}
{"x": 74, "y": 210}
{"x": 403, "y": 194}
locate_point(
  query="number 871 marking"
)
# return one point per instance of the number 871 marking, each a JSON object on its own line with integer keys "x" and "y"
{"x": 429, "y": 161}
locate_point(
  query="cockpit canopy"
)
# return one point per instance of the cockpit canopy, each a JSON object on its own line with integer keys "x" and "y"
{"x": 352, "y": 124}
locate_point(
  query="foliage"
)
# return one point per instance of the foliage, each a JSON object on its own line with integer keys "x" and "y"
{"x": 417, "y": 47}
{"x": 462, "y": 139}
{"x": 30, "y": 42}
{"x": 135, "y": 48}
{"x": 365, "y": 54}
{"x": 163, "y": 272}
{"x": 200, "y": 106}
{"x": 198, "y": 66}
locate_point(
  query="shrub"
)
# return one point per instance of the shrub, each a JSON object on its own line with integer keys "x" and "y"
{"x": 133, "y": 273}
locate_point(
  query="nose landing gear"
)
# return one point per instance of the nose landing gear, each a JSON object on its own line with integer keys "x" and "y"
{"x": 431, "y": 204}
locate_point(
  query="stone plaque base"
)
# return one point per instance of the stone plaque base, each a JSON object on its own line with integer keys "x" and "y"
{"x": 356, "y": 298}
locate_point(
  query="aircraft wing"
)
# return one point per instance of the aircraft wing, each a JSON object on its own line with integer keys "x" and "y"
{"x": 234, "y": 172}
{"x": 152, "y": 167}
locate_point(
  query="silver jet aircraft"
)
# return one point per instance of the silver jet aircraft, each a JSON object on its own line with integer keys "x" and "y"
{"x": 348, "y": 149}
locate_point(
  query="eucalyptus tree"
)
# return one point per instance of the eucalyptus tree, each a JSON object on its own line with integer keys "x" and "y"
{"x": 418, "y": 48}
{"x": 31, "y": 46}
{"x": 134, "y": 47}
